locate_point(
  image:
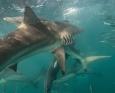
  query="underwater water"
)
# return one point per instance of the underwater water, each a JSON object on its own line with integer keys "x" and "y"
{"x": 97, "y": 20}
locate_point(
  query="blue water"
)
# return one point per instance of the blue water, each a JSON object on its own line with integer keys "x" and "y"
{"x": 97, "y": 20}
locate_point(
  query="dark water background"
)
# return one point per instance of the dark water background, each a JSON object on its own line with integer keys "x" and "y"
{"x": 95, "y": 17}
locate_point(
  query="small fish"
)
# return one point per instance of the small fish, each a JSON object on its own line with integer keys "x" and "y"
{"x": 106, "y": 23}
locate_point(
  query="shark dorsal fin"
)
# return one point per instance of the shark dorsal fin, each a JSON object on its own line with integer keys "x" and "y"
{"x": 30, "y": 17}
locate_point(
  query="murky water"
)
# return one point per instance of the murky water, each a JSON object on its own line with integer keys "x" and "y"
{"x": 97, "y": 20}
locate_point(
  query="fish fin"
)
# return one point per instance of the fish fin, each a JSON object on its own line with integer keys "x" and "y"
{"x": 76, "y": 55}
{"x": 84, "y": 60}
{"x": 13, "y": 67}
{"x": 60, "y": 57}
{"x": 30, "y": 17}
{"x": 14, "y": 20}
{"x": 90, "y": 59}
{"x": 51, "y": 75}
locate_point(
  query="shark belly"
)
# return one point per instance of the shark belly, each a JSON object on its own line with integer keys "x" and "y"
{"x": 29, "y": 51}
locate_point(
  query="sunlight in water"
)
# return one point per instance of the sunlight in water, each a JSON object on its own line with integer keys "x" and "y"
{"x": 70, "y": 11}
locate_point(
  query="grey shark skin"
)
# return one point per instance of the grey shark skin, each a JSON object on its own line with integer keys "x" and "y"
{"x": 30, "y": 37}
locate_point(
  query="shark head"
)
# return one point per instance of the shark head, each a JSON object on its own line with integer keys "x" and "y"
{"x": 63, "y": 31}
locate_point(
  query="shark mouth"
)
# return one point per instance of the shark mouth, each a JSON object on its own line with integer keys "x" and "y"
{"x": 66, "y": 38}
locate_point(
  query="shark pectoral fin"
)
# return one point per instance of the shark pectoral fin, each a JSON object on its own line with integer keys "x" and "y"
{"x": 13, "y": 67}
{"x": 60, "y": 57}
{"x": 30, "y": 17}
{"x": 51, "y": 75}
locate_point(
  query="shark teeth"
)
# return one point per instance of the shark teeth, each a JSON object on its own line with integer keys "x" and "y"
{"x": 66, "y": 38}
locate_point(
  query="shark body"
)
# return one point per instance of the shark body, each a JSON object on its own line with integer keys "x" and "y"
{"x": 76, "y": 70}
{"x": 33, "y": 36}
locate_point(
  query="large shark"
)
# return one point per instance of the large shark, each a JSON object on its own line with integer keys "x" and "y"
{"x": 32, "y": 37}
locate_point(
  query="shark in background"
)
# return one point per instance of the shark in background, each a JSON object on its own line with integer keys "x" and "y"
{"x": 34, "y": 35}
{"x": 10, "y": 75}
{"x": 53, "y": 74}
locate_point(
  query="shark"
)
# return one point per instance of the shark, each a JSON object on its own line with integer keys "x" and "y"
{"x": 53, "y": 74}
{"x": 34, "y": 35}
